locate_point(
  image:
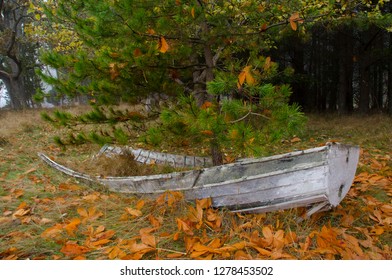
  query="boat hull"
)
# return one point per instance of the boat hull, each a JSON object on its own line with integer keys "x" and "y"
{"x": 320, "y": 176}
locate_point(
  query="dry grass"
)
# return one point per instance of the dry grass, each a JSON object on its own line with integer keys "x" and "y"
{"x": 35, "y": 199}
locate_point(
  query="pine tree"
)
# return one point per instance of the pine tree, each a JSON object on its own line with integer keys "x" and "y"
{"x": 207, "y": 54}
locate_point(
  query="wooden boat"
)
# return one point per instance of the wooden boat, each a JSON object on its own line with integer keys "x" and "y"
{"x": 318, "y": 177}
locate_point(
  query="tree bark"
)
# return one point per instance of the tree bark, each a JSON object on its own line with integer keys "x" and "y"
{"x": 345, "y": 46}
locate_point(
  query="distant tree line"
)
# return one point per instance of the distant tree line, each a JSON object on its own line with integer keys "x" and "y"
{"x": 340, "y": 69}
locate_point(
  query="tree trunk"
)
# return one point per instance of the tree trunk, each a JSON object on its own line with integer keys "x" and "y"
{"x": 344, "y": 94}
{"x": 389, "y": 97}
{"x": 364, "y": 83}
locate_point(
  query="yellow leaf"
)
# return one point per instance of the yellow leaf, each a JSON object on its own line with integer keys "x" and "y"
{"x": 241, "y": 78}
{"x": 163, "y": 46}
{"x": 249, "y": 79}
{"x": 193, "y": 12}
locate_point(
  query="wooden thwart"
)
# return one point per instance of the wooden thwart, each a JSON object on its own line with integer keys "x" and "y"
{"x": 318, "y": 177}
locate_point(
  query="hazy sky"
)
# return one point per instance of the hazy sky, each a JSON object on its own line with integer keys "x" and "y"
{"x": 2, "y": 97}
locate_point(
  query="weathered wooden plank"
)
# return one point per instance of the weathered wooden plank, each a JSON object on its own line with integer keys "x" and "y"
{"x": 147, "y": 157}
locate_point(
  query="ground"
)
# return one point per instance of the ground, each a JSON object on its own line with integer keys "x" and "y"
{"x": 47, "y": 215}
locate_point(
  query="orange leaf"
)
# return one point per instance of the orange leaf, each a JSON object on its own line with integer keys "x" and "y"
{"x": 267, "y": 232}
{"x": 207, "y": 132}
{"x": 154, "y": 221}
{"x": 115, "y": 252}
{"x": 72, "y": 226}
{"x": 195, "y": 215}
{"x": 241, "y": 255}
{"x": 23, "y": 205}
{"x": 70, "y": 187}
{"x": 151, "y": 31}
{"x": 176, "y": 236}
{"x": 293, "y": 25}
{"x": 245, "y": 75}
{"x": 90, "y": 214}
{"x": 206, "y": 105}
{"x": 148, "y": 239}
{"x": 377, "y": 231}
{"x": 279, "y": 239}
{"x": 140, "y": 204}
{"x": 133, "y": 212}
{"x": 137, "y": 52}
{"x": 163, "y": 46}
{"x": 99, "y": 243}
{"x": 387, "y": 209}
{"x": 193, "y": 12}
{"x": 183, "y": 226}
{"x": 52, "y": 232}
{"x": 72, "y": 249}
{"x": 215, "y": 243}
{"x": 174, "y": 255}
{"x": 293, "y": 21}
{"x": 263, "y": 27}
{"x": 261, "y": 251}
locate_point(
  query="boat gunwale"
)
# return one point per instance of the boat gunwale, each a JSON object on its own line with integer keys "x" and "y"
{"x": 173, "y": 175}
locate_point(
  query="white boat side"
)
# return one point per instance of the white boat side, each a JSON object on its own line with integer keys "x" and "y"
{"x": 320, "y": 176}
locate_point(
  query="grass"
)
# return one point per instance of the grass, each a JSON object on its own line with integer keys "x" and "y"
{"x": 47, "y": 215}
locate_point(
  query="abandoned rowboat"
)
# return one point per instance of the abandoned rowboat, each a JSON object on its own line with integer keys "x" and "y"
{"x": 318, "y": 177}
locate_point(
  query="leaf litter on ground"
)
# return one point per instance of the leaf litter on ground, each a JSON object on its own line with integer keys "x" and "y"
{"x": 45, "y": 215}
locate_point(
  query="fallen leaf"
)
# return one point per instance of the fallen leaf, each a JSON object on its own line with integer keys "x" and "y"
{"x": 90, "y": 214}
{"x": 72, "y": 226}
{"x": 52, "y": 232}
{"x": 241, "y": 255}
{"x": 140, "y": 204}
{"x": 71, "y": 187}
{"x": 133, "y": 212}
{"x": 183, "y": 226}
{"x": 72, "y": 249}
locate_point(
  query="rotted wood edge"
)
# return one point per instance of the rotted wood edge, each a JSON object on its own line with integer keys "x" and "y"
{"x": 147, "y": 157}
